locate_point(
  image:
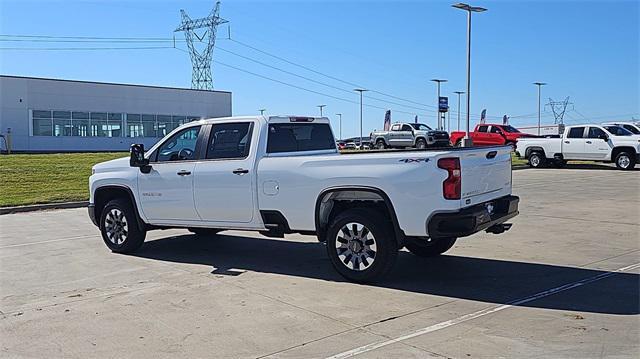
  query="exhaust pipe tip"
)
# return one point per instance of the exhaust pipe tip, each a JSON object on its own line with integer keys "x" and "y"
{"x": 499, "y": 228}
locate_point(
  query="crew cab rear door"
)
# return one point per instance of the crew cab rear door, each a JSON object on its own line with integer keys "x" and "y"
{"x": 486, "y": 174}
{"x": 224, "y": 176}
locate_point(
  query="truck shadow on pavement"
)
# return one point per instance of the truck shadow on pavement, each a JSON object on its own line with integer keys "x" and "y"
{"x": 479, "y": 279}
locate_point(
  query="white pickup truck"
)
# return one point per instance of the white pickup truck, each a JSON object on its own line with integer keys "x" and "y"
{"x": 279, "y": 175}
{"x": 605, "y": 143}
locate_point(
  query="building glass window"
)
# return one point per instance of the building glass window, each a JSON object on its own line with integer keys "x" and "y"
{"x": 149, "y": 125}
{"x": 114, "y": 127}
{"x": 61, "y": 123}
{"x": 134, "y": 125}
{"x": 99, "y": 124}
{"x": 164, "y": 125}
{"x": 80, "y": 124}
{"x": 179, "y": 120}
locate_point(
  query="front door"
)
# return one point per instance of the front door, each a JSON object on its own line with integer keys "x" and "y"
{"x": 596, "y": 147}
{"x": 223, "y": 180}
{"x": 166, "y": 193}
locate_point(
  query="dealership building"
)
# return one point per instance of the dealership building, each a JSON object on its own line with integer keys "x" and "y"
{"x": 50, "y": 115}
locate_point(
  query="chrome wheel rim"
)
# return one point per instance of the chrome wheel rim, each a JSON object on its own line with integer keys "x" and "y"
{"x": 535, "y": 161}
{"x": 624, "y": 161}
{"x": 116, "y": 226}
{"x": 356, "y": 246}
{"x": 421, "y": 145}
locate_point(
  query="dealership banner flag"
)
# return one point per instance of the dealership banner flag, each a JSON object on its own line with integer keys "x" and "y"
{"x": 387, "y": 120}
{"x": 483, "y": 116}
{"x": 416, "y": 119}
{"x": 505, "y": 120}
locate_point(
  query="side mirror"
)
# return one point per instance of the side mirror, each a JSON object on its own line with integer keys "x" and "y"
{"x": 137, "y": 159}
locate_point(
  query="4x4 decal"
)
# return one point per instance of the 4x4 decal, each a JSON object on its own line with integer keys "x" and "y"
{"x": 417, "y": 160}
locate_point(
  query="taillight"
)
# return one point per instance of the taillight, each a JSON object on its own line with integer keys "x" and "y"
{"x": 451, "y": 187}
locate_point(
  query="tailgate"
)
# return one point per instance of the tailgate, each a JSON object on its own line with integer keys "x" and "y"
{"x": 486, "y": 174}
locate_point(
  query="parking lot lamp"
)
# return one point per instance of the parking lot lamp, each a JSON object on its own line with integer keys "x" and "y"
{"x": 438, "y": 81}
{"x": 340, "y": 116}
{"x": 539, "y": 84}
{"x": 321, "y": 107}
{"x": 361, "y": 91}
{"x": 458, "y": 93}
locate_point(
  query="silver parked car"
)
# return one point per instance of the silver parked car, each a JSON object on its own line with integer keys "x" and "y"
{"x": 417, "y": 135}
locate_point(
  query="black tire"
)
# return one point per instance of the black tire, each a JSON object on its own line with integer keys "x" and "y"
{"x": 375, "y": 254}
{"x": 421, "y": 144}
{"x": 380, "y": 144}
{"x": 433, "y": 247}
{"x": 559, "y": 163}
{"x": 625, "y": 161}
{"x": 458, "y": 144}
{"x": 119, "y": 227}
{"x": 536, "y": 160}
{"x": 204, "y": 232}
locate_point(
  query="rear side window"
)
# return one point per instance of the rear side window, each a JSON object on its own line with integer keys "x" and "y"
{"x": 229, "y": 140}
{"x": 293, "y": 137}
{"x": 575, "y": 132}
{"x": 482, "y": 128}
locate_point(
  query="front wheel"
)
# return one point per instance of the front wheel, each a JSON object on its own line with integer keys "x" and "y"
{"x": 429, "y": 248}
{"x": 421, "y": 144}
{"x": 380, "y": 145}
{"x": 119, "y": 227}
{"x": 625, "y": 161}
{"x": 361, "y": 245}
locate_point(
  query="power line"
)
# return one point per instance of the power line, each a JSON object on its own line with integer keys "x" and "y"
{"x": 84, "y": 48}
{"x": 87, "y": 37}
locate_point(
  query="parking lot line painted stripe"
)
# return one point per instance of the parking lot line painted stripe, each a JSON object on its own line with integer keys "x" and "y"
{"x": 42, "y": 242}
{"x": 481, "y": 313}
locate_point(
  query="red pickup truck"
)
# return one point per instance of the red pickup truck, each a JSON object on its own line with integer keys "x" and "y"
{"x": 489, "y": 135}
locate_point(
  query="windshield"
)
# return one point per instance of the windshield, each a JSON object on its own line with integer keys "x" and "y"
{"x": 421, "y": 127}
{"x": 510, "y": 129}
{"x": 617, "y": 131}
{"x": 633, "y": 129}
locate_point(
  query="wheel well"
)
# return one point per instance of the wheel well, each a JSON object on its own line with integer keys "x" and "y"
{"x": 530, "y": 150}
{"x": 421, "y": 138}
{"x": 103, "y": 195}
{"x": 333, "y": 201}
{"x": 616, "y": 151}
{"x": 380, "y": 139}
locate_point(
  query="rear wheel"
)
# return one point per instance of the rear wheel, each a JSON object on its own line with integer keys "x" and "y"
{"x": 625, "y": 161}
{"x": 119, "y": 227}
{"x": 536, "y": 160}
{"x": 421, "y": 144}
{"x": 361, "y": 245}
{"x": 429, "y": 247}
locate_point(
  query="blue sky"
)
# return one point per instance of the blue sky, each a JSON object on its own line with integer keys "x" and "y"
{"x": 586, "y": 50}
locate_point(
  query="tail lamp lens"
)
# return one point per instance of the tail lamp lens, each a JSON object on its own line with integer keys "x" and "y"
{"x": 451, "y": 187}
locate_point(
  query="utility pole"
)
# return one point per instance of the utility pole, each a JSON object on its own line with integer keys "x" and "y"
{"x": 467, "y": 142}
{"x": 262, "y": 110}
{"x": 459, "y": 93}
{"x": 321, "y": 107}
{"x": 361, "y": 91}
{"x": 201, "y": 78}
{"x": 438, "y": 81}
{"x": 539, "y": 84}
{"x": 340, "y": 115}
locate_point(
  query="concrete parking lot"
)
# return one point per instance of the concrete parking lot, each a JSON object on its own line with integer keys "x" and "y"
{"x": 564, "y": 282}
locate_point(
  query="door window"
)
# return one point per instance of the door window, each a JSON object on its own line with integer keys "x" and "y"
{"x": 595, "y": 132}
{"x": 406, "y": 128}
{"x": 179, "y": 147}
{"x": 483, "y": 128}
{"x": 229, "y": 140}
{"x": 495, "y": 129}
{"x": 575, "y": 132}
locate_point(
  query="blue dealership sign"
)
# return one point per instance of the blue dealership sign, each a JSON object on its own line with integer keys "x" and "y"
{"x": 443, "y": 104}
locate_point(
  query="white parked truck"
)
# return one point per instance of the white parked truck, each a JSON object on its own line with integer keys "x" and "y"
{"x": 605, "y": 143}
{"x": 279, "y": 175}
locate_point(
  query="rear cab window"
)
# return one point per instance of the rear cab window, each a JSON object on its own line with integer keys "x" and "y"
{"x": 482, "y": 128}
{"x": 298, "y": 137}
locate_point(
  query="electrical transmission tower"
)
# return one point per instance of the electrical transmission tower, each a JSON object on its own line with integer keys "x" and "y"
{"x": 201, "y": 77}
{"x": 559, "y": 108}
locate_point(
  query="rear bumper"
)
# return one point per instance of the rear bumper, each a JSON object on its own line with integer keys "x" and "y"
{"x": 91, "y": 208}
{"x": 473, "y": 219}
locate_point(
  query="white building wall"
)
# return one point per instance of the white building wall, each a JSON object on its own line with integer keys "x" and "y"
{"x": 20, "y": 95}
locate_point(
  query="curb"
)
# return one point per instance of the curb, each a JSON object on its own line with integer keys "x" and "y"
{"x": 42, "y": 207}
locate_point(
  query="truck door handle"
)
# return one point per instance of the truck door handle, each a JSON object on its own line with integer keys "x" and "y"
{"x": 567, "y": 142}
{"x": 589, "y": 142}
{"x": 184, "y": 173}
{"x": 240, "y": 171}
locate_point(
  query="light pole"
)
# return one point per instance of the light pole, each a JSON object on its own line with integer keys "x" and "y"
{"x": 321, "y": 107}
{"x": 262, "y": 110}
{"x": 438, "y": 101}
{"x": 458, "y": 93}
{"x": 539, "y": 84}
{"x": 361, "y": 91}
{"x": 340, "y": 115}
{"x": 469, "y": 9}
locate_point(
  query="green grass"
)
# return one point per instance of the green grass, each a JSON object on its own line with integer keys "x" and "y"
{"x": 47, "y": 178}
{"x": 50, "y": 178}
